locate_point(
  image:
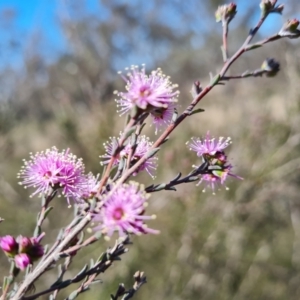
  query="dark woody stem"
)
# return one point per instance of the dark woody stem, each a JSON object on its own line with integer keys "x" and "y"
{"x": 88, "y": 275}
{"x": 140, "y": 279}
{"x": 170, "y": 186}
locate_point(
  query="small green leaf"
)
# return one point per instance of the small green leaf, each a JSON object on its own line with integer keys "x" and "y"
{"x": 215, "y": 80}
{"x": 193, "y": 178}
{"x": 92, "y": 263}
{"x": 129, "y": 132}
{"x": 98, "y": 235}
{"x": 141, "y": 128}
{"x": 37, "y": 231}
{"x": 165, "y": 140}
{"x": 175, "y": 115}
{"x": 196, "y": 111}
{"x": 47, "y": 211}
{"x": 159, "y": 187}
{"x": 252, "y": 47}
{"x": 101, "y": 258}
{"x": 81, "y": 272}
{"x": 177, "y": 177}
{"x": 5, "y": 283}
{"x": 152, "y": 152}
{"x": 73, "y": 295}
{"x": 171, "y": 188}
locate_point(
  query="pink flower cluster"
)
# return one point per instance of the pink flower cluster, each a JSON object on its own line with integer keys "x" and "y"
{"x": 122, "y": 210}
{"x": 62, "y": 171}
{"x": 212, "y": 152}
{"x": 23, "y": 250}
{"x": 131, "y": 152}
{"x": 153, "y": 93}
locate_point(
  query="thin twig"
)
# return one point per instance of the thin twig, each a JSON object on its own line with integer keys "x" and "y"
{"x": 121, "y": 141}
{"x": 225, "y": 42}
{"x": 196, "y": 100}
{"x": 40, "y": 269}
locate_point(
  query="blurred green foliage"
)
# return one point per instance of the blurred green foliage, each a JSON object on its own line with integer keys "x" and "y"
{"x": 238, "y": 244}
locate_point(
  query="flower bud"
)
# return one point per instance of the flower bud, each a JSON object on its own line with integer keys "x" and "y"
{"x": 9, "y": 245}
{"x": 24, "y": 244}
{"x": 121, "y": 290}
{"x": 290, "y": 29}
{"x": 36, "y": 250}
{"x": 225, "y": 13}
{"x": 22, "y": 260}
{"x": 268, "y": 6}
{"x": 196, "y": 89}
{"x": 271, "y": 67}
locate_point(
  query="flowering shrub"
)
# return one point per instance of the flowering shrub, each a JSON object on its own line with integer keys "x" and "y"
{"x": 111, "y": 204}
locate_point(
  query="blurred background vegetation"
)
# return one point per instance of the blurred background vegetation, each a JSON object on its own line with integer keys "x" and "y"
{"x": 238, "y": 244}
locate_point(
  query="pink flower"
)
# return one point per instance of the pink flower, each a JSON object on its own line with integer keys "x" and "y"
{"x": 146, "y": 91}
{"x": 217, "y": 177}
{"x": 209, "y": 145}
{"x": 123, "y": 211}
{"x": 162, "y": 116}
{"x": 217, "y": 166}
{"x": 110, "y": 148}
{"x": 9, "y": 245}
{"x": 31, "y": 246}
{"x": 24, "y": 250}
{"x": 89, "y": 187}
{"x": 22, "y": 260}
{"x": 143, "y": 145}
{"x": 53, "y": 170}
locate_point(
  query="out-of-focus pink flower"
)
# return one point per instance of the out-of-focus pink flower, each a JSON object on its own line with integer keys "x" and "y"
{"x": 208, "y": 145}
{"x": 146, "y": 91}
{"x": 89, "y": 187}
{"x": 31, "y": 246}
{"x": 24, "y": 250}
{"x": 9, "y": 245}
{"x": 217, "y": 177}
{"x": 123, "y": 211}
{"x": 22, "y": 260}
{"x": 143, "y": 145}
{"x": 53, "y": 170}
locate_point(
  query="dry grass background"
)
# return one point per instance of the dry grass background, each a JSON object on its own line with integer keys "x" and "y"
{"x": 238, "y": 244}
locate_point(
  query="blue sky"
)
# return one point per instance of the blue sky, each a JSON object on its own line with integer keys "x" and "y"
{"x": 40, "y": 16}
{"x": 33, "y": 17}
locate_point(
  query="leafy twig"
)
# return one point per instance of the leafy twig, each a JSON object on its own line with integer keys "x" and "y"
{"x": 191, "y": 177}
{"x": 140, "y": 279}
{"x": 215, "y": 80}
{"x": 88, "y": 275}
{"x": 40, "y": 268}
